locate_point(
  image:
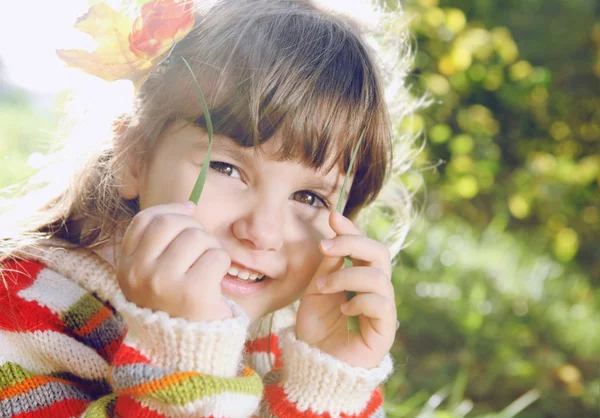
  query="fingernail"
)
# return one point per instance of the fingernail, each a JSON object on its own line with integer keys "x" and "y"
{"x": 344, "y": 307}
{"x": 190, "y": 204}
{"x": 326, "y": 244}
{"x": 321, "y": 282}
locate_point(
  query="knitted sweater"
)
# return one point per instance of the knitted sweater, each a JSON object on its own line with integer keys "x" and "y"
{"x": 72, "y": 345}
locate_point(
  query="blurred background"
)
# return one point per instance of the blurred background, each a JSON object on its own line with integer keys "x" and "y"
{"x": 497, "y": 291}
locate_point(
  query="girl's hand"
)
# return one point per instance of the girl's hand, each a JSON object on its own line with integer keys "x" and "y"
{"x": 168, "y": 262}
{"x": 323, "y": 312}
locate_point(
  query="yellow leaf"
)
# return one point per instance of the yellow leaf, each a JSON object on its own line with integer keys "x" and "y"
{"x": 112, "y": 58}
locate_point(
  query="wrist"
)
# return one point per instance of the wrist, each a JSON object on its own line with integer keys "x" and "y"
{"x": 320, "y": 382}
{"x": 208, "y": 347}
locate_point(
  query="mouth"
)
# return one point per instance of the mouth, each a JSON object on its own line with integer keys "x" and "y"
{"x": 241, "y": 281}
{"x": 246, "y": 275}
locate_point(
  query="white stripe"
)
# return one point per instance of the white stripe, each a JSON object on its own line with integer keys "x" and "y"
{"x": 53, "y": 291}
{"x": 45, "y": 352}
{"x": 226, "y": 404}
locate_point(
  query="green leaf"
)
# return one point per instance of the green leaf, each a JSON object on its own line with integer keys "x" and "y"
{"x": 199, "y": 186}
{"x": 352, "y": 320}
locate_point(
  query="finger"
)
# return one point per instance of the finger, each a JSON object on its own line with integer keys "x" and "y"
{"x": 209, "y": 269}
{"x": 357, "y": 279}
{"x": 140, "y": 222}
{"x": 342, "y": 225}
{"x": 161, "y": 231}
{"x": 360, "y": 248}
{"x": 380, "y": 309}
{"x": 183, "y": 251}
{"x": 328, "y": 265}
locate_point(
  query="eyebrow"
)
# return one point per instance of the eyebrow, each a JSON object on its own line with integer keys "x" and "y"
{"x": 331, "y": 187}
{"x": 225, "y": 148}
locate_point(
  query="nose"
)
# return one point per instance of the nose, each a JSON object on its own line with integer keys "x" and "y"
{"x": 261, "y": 226}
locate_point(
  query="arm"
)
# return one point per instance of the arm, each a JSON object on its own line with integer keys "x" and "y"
{"x": 313, "y": 383}
{"x": 62, "y": 354}
{"x": 173, "y": 366}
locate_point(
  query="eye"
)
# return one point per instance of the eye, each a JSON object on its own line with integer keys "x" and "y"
{"x": 225, "y": 169}
{"x": 309, "y": 198}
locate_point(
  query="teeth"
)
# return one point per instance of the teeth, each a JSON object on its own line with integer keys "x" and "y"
{"x": 244, "y": 274}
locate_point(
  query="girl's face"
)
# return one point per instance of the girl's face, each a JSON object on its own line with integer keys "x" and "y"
{"x": 269, "y": 215}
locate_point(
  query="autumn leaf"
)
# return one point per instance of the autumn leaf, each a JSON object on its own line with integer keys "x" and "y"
{"x": 112, "y": 58}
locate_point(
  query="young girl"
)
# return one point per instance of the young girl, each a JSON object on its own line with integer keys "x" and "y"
{"x": 122, "y": 298}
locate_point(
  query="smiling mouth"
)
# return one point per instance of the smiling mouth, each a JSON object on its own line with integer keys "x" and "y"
{"x": 245, "y": 275}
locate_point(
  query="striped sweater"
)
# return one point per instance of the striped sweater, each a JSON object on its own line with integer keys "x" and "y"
{"x": 71, "y": 345}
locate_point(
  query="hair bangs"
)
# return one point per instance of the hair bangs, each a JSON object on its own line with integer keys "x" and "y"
{"x": 310, "y": 85}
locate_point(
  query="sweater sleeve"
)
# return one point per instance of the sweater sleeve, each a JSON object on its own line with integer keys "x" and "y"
{"x": 64, "y": 353}
{"x": 314, "y": 384}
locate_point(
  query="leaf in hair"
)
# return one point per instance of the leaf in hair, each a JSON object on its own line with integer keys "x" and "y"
{"x": 199, "y": 186}
{"x": 352, "y": 320}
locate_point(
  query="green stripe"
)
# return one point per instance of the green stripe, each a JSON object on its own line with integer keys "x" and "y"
{"x": 102, "y": 408}
{"x": 199, "y": 386}
{"x": 81, "y": 311}
{"x": 11, "y": 374}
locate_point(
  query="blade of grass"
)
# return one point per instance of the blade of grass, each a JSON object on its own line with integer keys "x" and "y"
{"x": 352, "y": 320}
{"x": 520, "y": 404}
{"x": 458, "y": 389}
{"x": 199, "y": 186}
{"x": 407, "y": 406}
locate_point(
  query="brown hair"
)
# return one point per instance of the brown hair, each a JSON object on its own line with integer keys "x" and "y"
{"x": 266, "y": 67}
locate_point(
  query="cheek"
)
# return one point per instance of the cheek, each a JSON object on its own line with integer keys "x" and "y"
{"x": 220, "y": 203}
{"x": 307, "y": 258}
{"x": 167, "y": 182}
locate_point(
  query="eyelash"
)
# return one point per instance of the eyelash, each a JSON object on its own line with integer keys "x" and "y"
{"x": 215, "y": 165}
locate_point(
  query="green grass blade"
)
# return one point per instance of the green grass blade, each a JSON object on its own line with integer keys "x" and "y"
{"x": 352, "y": 320}
{"x": 340, "y": 203}
{"x": 199, "y": 186}
{"x": 520, "y": 404}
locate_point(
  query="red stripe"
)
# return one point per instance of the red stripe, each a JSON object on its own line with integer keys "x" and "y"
{"x": 281, "y": 407}
{"x": 268, "y": 344}
{"x": 109, "y": 350}
{"x": 18, "y": 275}
{"x": 64, "y": 408}
{"x": 19, "y": 315}
{"x": 128, "y": 355}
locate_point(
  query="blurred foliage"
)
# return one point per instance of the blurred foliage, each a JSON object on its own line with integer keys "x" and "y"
{"x": 27, "y": 130}
{"x": 498, "y": 290}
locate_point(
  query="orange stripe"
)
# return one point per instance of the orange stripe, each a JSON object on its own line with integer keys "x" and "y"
{"x": 159, "y": 384}
{"x": 247, "y": 371}
{"x": 94, "y": 321}
{"x": 27, "y": 385}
